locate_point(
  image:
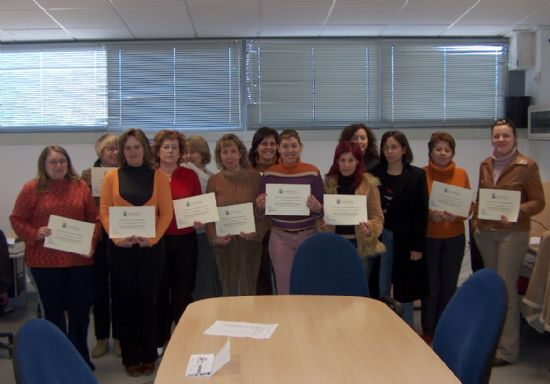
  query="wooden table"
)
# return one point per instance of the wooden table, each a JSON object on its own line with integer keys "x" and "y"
{"x": 320, "y": 339}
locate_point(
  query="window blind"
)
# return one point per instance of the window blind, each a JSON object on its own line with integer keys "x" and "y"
{"x": 175, "y": 85}
{"x": 52, "y": 87}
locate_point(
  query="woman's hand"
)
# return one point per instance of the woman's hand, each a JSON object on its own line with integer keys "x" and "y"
{"x": 198, "y": 225}
{"x": 223, "y": 240}
{"x": 437, "y": 216}
{"x": 143, "y": 242}
{"x": 364, "y": 228}
{"x": 43, "y": 232}
{"x": 248, "y": 236}
{"x": 314, "y": 205}
{"x": 504, "y": 219}
{"x": 415, "y": 255}
{"x": 260, "y": 201}
{"x": 448, "y": 217}
{"x": 328, "y": 227}
{"x": 126, "y": 242}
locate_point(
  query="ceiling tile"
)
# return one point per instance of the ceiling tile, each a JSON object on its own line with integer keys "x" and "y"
{"x": 165, "y": 32}
{"x": 224, "y": 15}
{"x": 155, "y": 17}
{"x": 353, "y": 30}
{"x": 376, "y": 14}
{"x": 48, "y": 34}
{"x": 101, "y": 33}
{"x": 496, "y": 15}
{"x": 223, "y": 3}
{"x": 290, "y": 30}
{"x": 89, "y": 18}
{"x": 294, "y": 15}
{"x": 423, "y": 14}
{"x": 25, "y": 19}
{"x": 363, "y": 3}
{"x": 15, "y": 5}
{"x": 297, "y": 2}
{"x": 414, "y": 30}
{"x": 147, "y": 3}
{"x": 74, "y": 4}
{"x": 476, "y": 30}
{"x": 208, "y": 31}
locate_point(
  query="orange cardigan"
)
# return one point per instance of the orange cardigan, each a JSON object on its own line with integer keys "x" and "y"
{"x": 161, "y": 199}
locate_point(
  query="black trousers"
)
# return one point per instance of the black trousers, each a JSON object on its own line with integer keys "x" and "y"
{"x": 67, "y": 289}
{"x": 177, "y": 282}
{"x": 104, "y": 317}
{"x": 265, "y": 274}
{"x": 135, "y": 278}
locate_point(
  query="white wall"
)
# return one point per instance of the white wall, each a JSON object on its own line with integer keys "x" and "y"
{"x": 19, "y": 153}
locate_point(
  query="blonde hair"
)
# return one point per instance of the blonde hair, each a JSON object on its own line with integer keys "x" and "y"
{"x": 106, "y": 140}
{"x": 226, "y": 141}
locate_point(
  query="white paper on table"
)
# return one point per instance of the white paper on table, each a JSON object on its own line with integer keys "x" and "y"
{"x": 493, "y": 203}
{"x": 132, "y": 221}
{"x": 200, "y": 208}
{"x": 10, "y": 240}
{"x": 235, "y": 219}
{"x": 70, "y": 235}
{"x": 451, "y": 198}
{"x": 208, "y": 364}
{"x": 287, "y": 199}
{"x": 345, "y": 209}
{"x": 241, "y": 329}
{"x": 98, "y": 177}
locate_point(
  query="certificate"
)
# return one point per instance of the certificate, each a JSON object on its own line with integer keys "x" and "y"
{"x": 287, "y": 199}
{"x": 235, "y": 219}
{"x": 70, "y": 235}
{"x": 493, "y": 203}
{"x": 450, "y": 198}
{"x": 98, "y": 176}
{"x": 200, "y": 208}
{"x": 345, "y": 209}
{"x": 132, "y": 221}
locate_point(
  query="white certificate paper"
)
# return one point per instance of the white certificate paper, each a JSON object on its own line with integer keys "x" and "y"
{"x": 287, "y": 199}
{"x": 241, "y": 329}
{"x": 98, "y": 176}
{"x": 200, "y": 208}
{"x": 450, "y": 198}
{"x": 132, "y": 221}
{"x": 235, "y": 219}
{"x": 345, "y": 209}
{"x": 493, "y": 203}
{"x": 208, "y": 364}
{"x": 70, "y": 235}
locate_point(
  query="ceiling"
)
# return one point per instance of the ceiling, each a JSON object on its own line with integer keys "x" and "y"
{"x": 81, "y": 20}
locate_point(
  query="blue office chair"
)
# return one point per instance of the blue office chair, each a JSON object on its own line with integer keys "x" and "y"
{"x": 468, "y": 331}
{"x": 43, "y": 354}
{"x": 327, "y": 264}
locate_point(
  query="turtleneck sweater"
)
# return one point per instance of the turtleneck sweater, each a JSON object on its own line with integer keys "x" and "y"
{"x": 452, "y": 175}
{"x": 297, "y": 173}
{"x": 137, "y": 186}
{"x": 499, "y": 163}
{"x": 32, "y": 210}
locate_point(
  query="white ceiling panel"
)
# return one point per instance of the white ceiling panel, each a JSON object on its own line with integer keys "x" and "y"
{"x": 376, "y": 14}
{"x": 297, "y": 2}
{"x": 423, "y": 14}
{"x": 74, "y": 4}
{"x": 445, "y": 3}
{"x": 363, "y": 3}
{"x": 419, "y": 30}
{"x": 290, "y": 30}
{"x": 25, "y": 20}
{"x": 88, "y": 18}
{"x": 236, "y": 15}
{"x": 223, "y": 3}
{"x": 146, "y": 3}
{"x": 353, "y": 30}
{"x": 101, "y": 33}
{"x": 480, "y": 30}
{"x": 294, "y": 15}
{"x": 496, "y": 15}
{"x": 39, "y": 34}
{"x": 155, "y": 17}
{"x": 208, "y": 31}
{"x": 17, "y": 5}
{"x": 541, "y": 17}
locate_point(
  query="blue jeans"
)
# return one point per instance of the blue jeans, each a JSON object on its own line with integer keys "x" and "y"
{"x": 386, "y": 264}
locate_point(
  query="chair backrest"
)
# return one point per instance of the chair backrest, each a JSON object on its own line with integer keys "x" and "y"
{"x": 469, "y": 328}
{"x": 328, "y": 264}
{"x": 43, "y": 354}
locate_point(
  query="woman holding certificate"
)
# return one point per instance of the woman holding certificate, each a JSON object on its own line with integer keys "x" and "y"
{"x": 362, "y": 135}
{"x": 503, "y": 240}
{"x": 296, "y": 184}
{"x": 404, "y": 199}
{"x": 181, "y": 249}
{"x": 63, "y": 279}
{"x": 238, "y": 253}
{"x": 347, "y": 177}
{"x": 262, "y": 155}
{"x": 136, "y": 201}
{"x": 445, "y": 239}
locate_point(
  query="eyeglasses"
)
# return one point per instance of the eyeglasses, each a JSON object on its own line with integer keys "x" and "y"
{"x": 57, "y": 162}
{"x": 167, "y": 147}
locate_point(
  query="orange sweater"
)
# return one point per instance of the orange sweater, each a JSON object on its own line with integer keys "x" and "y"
{"x": 448, "y": 175}
{"x": 161, "y": 199}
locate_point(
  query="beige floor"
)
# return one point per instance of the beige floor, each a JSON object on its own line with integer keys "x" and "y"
{"x": 533, "y": 366}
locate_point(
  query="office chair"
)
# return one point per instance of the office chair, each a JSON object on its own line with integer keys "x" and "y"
{"x": 467, "y": 333}
{"x": 43, "y": 354}
{"x": 328, "y": 264}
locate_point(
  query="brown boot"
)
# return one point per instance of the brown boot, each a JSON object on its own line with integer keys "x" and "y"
{"x": 101, "y": 348}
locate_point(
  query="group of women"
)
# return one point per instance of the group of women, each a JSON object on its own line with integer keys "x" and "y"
{"x": 409, "y": 251}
